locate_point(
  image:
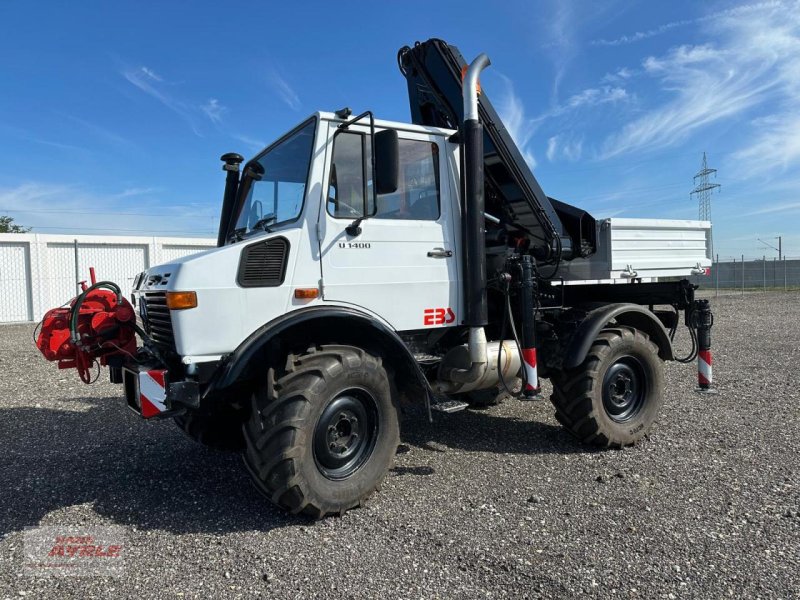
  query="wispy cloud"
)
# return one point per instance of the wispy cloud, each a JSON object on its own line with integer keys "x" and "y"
{"x": 285, "y": 91}
{"x": 59, "y": 145}
{"x": 665, "y": 27}
{"x": 137, "y": 191}
{"x": 101, "y": 132}
{"x": 775, "y": 147}
{"x": 253, "y": 143}
{"x": 756, "y": 60}
{"x": 519, "y": 126}
{"x": 151, "y": 74}
{"x": 785, "y": 207}
{"x": 558, "y": 146}
{"x": 213, "y": 110}
{"x": 620, "y": 76}
{"x": 90, "y": 211}
{"x": 642, "y": 35}
{"x": 146, "y": 80}
{"x": 154, "y": 85}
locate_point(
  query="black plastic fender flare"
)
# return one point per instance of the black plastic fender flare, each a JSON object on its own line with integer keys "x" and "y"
{"x": 235, "y": 365}
{"x": 632, "y": 315}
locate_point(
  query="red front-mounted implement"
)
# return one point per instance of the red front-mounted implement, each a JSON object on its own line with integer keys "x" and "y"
{"x": 97, "y": 324}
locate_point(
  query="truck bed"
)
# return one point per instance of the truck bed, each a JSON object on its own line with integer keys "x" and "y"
{"x": 644, "y": 248}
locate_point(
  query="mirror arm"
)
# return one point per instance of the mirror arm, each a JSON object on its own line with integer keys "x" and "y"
{"x": 354, "y": 229}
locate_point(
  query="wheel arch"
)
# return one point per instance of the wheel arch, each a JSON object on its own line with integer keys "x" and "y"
{"x": 297, "y": 330}
{"x": 631, "y": 315}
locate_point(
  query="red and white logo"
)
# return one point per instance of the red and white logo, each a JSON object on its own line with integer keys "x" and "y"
{"x": 438, "y": 316}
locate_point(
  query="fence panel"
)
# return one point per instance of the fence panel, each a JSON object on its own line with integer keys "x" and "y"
{"x": 39, "y": 272}
{"x": 174, "y": 251}
{"x": 15, "y": 296}
{"x": 120, "y": 263}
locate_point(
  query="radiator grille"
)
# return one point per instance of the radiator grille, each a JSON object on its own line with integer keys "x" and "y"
{"x": 264, "y": 264}
{"x": 156, "y": 318}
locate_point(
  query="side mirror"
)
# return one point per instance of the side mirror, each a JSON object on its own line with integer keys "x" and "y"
{"x": 387, "y": 161}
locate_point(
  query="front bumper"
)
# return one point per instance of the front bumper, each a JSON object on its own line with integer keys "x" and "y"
{"x": 150, "y": 393}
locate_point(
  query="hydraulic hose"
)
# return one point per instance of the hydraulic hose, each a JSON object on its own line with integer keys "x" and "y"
{"x": 693, "y": 335}
{"x": 509, "y": 318}
{"x": 76, "y": 307}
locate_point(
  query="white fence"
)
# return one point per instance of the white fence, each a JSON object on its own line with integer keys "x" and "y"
{"x": 39, "y": 272}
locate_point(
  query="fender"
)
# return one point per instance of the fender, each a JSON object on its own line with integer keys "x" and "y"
{"x": 632, "y": 315}
{"x": 357, "y": 324}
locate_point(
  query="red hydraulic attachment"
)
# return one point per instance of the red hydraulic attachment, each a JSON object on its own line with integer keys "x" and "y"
{"x": 97, "y": 324}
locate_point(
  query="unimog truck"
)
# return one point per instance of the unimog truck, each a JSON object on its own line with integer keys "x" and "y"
{"x": 364, "y": 266}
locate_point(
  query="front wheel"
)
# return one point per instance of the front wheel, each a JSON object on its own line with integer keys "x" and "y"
{"x": 614, "y": 397}
{"x": 322, "y": 436}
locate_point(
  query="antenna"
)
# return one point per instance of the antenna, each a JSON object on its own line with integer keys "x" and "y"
{"x": 704, "y": 189}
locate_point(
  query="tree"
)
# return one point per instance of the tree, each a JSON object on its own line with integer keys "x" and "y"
{"x": 7, "y": 225}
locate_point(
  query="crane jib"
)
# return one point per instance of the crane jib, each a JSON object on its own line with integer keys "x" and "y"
{"x": 557, "y": 230}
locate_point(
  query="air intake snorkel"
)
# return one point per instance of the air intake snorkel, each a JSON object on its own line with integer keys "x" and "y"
{"x": 231, "y": 168}
{"x": 472, "y": 212}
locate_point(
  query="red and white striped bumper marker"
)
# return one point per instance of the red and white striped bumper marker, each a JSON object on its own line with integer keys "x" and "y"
{"x": 705, "y": 377}
{"x": 531, "y": 372}
{"x": 704, "y": 373}
{"x": 152, "y": 392}
{"x": 703, "y": 319}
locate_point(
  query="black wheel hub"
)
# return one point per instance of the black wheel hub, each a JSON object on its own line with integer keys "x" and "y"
{"x": 624, "y": 389}
{"x": 345, "y": 434}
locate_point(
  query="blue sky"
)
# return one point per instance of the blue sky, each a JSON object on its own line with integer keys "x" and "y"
{"x": 113, "y": 115}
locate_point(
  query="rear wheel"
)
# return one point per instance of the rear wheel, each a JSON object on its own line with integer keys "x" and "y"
{"x": 614, "y": 397}
{"x": 322, "y": 436}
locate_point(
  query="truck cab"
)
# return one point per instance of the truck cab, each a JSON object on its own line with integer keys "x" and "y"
{"x": 290, "y": 244}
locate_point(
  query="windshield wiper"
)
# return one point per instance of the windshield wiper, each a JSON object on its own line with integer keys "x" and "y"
{"x": 237, "y": 235}
{"x": 264, "y": 222}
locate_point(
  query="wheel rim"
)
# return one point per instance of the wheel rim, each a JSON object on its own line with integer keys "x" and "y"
{"x": 345, "y": 435}
{"x": 624, "y": 389}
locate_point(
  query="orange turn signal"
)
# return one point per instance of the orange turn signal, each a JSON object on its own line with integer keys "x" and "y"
{"x": 181, "y": 300}
{"x": 306, "y": 293}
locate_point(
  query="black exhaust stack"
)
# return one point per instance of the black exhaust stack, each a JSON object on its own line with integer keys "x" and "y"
{"x": 474, "y": 226}
{"x": 231, "y": 166}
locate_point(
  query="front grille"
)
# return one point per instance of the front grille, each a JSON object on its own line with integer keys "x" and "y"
{"x": 156, "y": 319}
{"x": 264, "y": 264}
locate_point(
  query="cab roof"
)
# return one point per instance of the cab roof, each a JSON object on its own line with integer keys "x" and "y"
{"x": 329, "y": 116}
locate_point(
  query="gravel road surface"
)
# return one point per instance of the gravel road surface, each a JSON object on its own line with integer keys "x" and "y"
{"x": 494, "y": 503}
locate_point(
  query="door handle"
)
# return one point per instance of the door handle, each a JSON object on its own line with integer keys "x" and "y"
{"x": 440, "y": 253}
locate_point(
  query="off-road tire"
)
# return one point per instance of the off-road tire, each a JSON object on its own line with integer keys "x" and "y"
{"x": 292, "y": 410}
{"x": 578, "y": 394}
{"x": 218, "y": 427}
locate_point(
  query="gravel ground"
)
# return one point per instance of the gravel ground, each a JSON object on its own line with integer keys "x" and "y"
{"x": 494, "y": 503}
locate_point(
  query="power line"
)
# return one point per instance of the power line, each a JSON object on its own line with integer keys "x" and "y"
{"x": 143, "y": 231}
{"x": 704, "y": 190}
{"x": 112, "y": 213}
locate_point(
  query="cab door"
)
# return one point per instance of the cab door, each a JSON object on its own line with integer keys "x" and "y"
{"x": 403, "y": 265}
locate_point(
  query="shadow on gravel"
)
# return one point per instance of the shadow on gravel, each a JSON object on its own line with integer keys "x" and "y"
{"x": 481, "y": 431}
{"x": 141, "y": 474}
{"x": 150, "y": 476}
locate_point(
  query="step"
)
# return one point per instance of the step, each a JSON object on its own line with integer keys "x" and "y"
{"x": 448, "y": 405}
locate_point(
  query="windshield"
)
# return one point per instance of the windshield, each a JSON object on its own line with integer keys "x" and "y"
{"x": 277, "y": 195}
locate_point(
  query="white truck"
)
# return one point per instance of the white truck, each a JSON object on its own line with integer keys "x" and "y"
{"x": 364, "y": 265}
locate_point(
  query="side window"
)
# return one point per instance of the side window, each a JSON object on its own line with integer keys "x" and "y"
{"x": 417, "y": 195}
{"x": 350, "y": 188}
{"x": 346, "y": 190}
